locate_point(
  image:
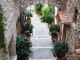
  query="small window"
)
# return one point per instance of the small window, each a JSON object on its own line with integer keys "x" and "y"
{"x": 75, "y": 14}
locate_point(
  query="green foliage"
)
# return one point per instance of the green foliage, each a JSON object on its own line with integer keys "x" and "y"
{"x": 29, "y": 14}
{"x": 42, "y": 18}
{"x": 27, "y": 27}
{"x": 53, "y": 29}
{"x": 60, "y": 48}
{"x": 46, "y": 10}
{"x": 2, "y": 30}
{"x": 49, "y": 18}
{"x": 23, "y": 45}
{"x": 38, "y": 7}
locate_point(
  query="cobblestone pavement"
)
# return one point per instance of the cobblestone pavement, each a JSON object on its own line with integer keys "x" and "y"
{"x": 41, "y": 41}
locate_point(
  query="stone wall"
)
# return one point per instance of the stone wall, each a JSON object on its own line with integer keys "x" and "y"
{"x": 11, "y": 12}
{"x": 73, "y": 9}
{"x": 58, "y": 3}
{"x": 61, "y": 4}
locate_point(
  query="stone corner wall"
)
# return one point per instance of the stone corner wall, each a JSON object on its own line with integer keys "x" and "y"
{"x": 72, "y": 32}
{"x": 11, "y": 12}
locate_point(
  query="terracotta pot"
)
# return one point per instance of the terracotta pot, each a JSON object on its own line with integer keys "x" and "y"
{"x": 54, "y": 38}
{"x": 28, "y": 20}
{"x": 49, "y": 25}
{"x": 35, "y": 11}
{"x": 39, "y": 12}
{"x": 58, "y": 23}
{"x": 77, "y": 47}
{"x": 78, "y": 56}
{"x": 62, "y": 58}
{"x": 28, "y": 37}
{"x": 27, "y": 58}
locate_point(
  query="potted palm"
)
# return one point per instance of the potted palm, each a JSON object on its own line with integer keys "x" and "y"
{"x": 28, "y": 14}
{"x": 54, "y": 30}
{"x": 28, "y": 29}
{"x": 60, "y": 48}
{"x": 38, "y": 8}
{"x": 23, "y": 47}
{"x": 49, "y": 19}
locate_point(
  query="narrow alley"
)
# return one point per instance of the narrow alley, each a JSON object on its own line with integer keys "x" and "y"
{"x": 41, "y": 41}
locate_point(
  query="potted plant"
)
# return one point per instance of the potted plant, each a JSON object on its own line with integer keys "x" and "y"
{"x": 46, "y": 10}
{"x": 54, "y": 30}
{"x": 77, "y": 50}
{"x": 49, "y": 19}
{"x": 28, "y": 14}
{"x": 60, "y": 48}
{"x": 28, "y": 29}
{"x": 42, "y": 18}
{"x": 23, "y": 47}
{"x": 38, "y": 8}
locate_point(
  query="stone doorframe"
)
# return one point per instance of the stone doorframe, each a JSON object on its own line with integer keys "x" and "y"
{"x": 11, "y": 47}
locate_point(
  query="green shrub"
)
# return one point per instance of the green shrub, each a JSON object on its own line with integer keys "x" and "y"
{"x": 29, "y": 14}
{"x": 49, "y": 18}
{"x": 27, "y": 27}
{"x": 2, "y": 30}
{"x": 38, "y": 7}
{"x": 42, "y": 18}
{"x": 23, "y": 45}
{"x": 60, "y": 48}
{"x": 53, "y": 29}
{"x": 46, "y": 10}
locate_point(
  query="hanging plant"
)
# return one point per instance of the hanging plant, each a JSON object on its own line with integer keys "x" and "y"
{"x": 2, "y": 30}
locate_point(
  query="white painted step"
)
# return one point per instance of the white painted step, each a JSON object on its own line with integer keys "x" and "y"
{"x": 13, "y": 57}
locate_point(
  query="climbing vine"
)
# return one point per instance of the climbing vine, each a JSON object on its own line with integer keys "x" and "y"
{"x": 2, "y": 30}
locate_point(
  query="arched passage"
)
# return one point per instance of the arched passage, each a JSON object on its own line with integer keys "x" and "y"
{"x": 39, "y": 34}
{"x": 41, "y": 41}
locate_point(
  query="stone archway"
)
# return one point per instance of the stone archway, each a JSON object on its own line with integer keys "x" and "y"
{"x": 59, "y": 3}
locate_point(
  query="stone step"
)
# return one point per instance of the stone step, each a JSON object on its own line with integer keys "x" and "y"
{"x": 40, "y": 26}
{"x": 41, "y": 53}
{"x": 13, "y": 57}
{"x": 41, "y": 36}
{"x": 40, "y": 31}
{"x": 43, "y": 59}
{"x": 41, "y": 42}
{"x": 37, "y": 23}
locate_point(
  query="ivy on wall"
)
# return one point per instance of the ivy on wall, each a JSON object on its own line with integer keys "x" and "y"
{"x": 2, "y": 30}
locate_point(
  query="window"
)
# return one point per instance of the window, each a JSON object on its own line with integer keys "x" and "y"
{"x": 75, "y": 14}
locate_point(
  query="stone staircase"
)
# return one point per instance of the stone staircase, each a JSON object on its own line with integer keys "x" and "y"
{"x": 13, "y": 57}
{"x": 41, "y": 40}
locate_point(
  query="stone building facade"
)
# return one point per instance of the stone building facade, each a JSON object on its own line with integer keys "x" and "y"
{"x": 11, "y": 12}
{"x": 73, "y": 9}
